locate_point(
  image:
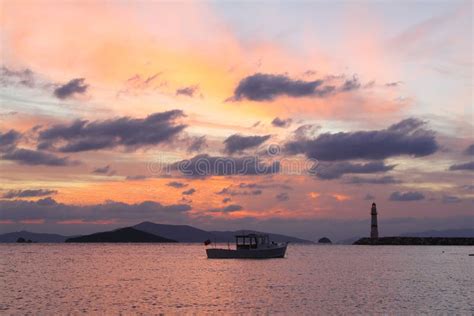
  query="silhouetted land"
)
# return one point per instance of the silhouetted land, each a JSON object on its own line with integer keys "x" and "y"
{"x": 186, "y": 233}
{"x": 324, "y": 240}
{"x": 127, "y": 234}
{"x": 22, "y": 240}
{"x": 466, "y": 232}
{"x": 180, "y": 233}
{"x": 417, "y": 241}
{"x": 35, "y": 237}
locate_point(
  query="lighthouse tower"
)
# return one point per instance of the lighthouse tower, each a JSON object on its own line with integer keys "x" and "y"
{"x": 374, "y": 230}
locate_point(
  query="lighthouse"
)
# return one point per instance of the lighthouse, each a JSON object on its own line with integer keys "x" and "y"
{"x": 374, "y": 230}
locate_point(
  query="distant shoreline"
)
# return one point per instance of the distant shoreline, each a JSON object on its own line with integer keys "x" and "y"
{"x": 416, "y": 241}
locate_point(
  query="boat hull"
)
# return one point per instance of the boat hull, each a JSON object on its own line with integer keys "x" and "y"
{"x": 268, "y": 253}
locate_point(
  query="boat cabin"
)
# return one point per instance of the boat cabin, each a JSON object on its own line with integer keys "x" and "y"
{"x": 251, "y": 241}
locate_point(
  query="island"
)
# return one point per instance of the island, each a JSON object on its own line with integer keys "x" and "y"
{"x": 125, "y": 235}
{"x": 324, "y": 240}
{"x": 417, "y": 241}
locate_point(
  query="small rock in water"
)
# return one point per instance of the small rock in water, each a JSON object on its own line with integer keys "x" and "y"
{"x": 324, "y": 240}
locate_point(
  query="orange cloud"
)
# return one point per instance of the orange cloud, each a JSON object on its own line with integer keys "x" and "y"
{"x": 314, "y": 195}
{"x": 82, "y": 222}
{"x": 32, "y": 221}
{"x": 340, "y": 197}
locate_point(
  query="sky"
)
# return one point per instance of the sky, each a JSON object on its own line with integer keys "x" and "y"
{"x": 289, "y": 117}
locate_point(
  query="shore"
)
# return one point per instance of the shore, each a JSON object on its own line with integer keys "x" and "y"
{"x": 417, "y": 241}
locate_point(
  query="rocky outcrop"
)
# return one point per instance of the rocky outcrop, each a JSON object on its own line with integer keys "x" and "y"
{"x": 417, "y": 241}
{"x": 324, "y": 240}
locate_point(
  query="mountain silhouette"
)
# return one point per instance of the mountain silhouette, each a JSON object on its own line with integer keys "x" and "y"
{"x": 180, "y": 233}
{"x": 186, "y": 233}
{"x": 36, "y": 237}
{"x": 127, "y": 234}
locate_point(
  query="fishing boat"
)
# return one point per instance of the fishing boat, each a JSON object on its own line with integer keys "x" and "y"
{"x": 251, "y": 246}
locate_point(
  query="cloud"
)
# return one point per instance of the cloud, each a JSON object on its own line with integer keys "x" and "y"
{"x": 256, "y": 124}
{"x": 369, "y": 197}
{"x": 306, "y": 131}
{"x": 9, "y": 140}
{"x": 11, "y": 77}
{"x": 9, "y": 113}
{"x": 449, "y": 199}
{"x": 467, "y": 187}
{"x": 379, "y": 180}
{"x": 185, "y": 200}
{"x": 205, "y": 166}
{"x": 469, "y": 150}
{"x": 130, "y": 133}
{"x": 37, "y": 157}
{"x": 226, "y": 200}
{"x": 28, "y": 193}
{"x": 104, "y": 170}
{"x": 176, "y": 184}
{"x": 350, "y": 84}
{"x": 249, "y": 189}
{"x": 281, "y": 122}
{"x": 136, "y": 177}
{"x": 250, "y": 185}
{"x": 463, "y": 166}
{"x": 253, "y": 185}
{"x": 330, "y": 171}
{"x": 139, "y": 83}
{"x": 8, "y": 146}
{"x": 233, "y": 192}
{"x": 187, "y": 91}
{"x": 196, "y": 144}
{"x": 227, "y": 209}
{"x": 266, "y": 87}
{"x": 407, "y": 196}
{"x": 393, "y": 84}
{"x": 189, "y": 192}
{"x": 282, "y": 197}
{"x": 408, "y": 137}
{"x": 74, "y": 86}
{"x": 237, "y": 143}
{"x": 50, "y": 210}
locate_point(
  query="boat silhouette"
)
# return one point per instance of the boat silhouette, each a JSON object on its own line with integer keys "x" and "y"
{"x": 250, "y": 246}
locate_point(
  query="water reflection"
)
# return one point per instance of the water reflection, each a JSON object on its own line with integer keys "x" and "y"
{"x": 51, "y": 279}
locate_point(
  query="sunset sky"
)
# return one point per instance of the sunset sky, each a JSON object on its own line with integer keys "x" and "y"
{"x": 107, "y": 108}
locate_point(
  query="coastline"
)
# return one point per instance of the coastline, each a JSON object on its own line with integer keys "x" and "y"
{"x": 416, "y": 241}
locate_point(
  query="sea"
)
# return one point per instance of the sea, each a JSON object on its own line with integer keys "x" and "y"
{"x": 110, "y": 279}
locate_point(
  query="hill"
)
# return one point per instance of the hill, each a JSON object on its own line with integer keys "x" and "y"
{"x": 186, "y": 233}
{"x": 181, "y": 233}
{"x": 35, "y": 237}
{"x": 127, "y": 234}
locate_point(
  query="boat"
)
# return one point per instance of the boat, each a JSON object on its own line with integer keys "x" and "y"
{"x": 251, "y": 246}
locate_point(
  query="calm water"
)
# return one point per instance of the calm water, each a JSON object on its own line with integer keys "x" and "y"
{"x": 52, "y": 279}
